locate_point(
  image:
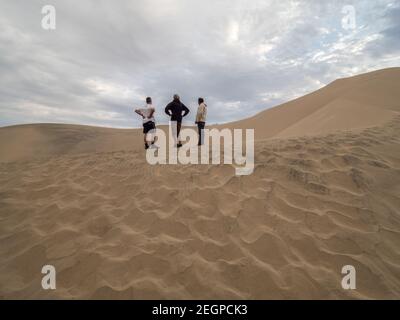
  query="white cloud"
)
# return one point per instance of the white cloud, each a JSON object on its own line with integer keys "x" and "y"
{"x": 242, "y": 56}
{"x": 113, "y": 90}
{"x": 233, "y": 32}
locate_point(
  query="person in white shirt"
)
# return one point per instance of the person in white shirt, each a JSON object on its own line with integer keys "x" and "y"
{"x": 149, "y": 124}
{"x": 201, "y": 120}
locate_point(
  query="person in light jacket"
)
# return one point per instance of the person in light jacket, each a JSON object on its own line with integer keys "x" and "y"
{"x": 201, "y": 119}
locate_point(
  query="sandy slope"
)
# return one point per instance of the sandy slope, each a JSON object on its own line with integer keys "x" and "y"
{"x": 357, "y": 102}
{"x": 84, "y": 200}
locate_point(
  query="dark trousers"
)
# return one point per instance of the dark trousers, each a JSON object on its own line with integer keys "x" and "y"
{"x": 178, "y": 128}
{"x": 200, "y": 127}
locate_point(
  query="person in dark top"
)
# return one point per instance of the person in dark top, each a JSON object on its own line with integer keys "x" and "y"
{"x": 175, "y": 109}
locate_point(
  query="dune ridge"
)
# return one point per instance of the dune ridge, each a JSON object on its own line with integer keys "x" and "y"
{"x": 115, "y": 227}
{"x": 365, "y": 100}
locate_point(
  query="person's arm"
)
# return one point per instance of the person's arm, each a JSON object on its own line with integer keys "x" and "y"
{"x": 139, "y": 113}
{"x": 198, "y": 114}
{"x": 204, "y": 111}
{"x": 168, "y": 109}
{"x": 185, "y": 110}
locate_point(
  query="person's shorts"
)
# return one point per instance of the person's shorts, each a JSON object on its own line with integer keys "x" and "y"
{"x": 149, "y": 126}
{"x": 201, "y": 124}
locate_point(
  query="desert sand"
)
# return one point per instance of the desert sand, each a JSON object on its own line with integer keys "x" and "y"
{"x": 325, "y": 193}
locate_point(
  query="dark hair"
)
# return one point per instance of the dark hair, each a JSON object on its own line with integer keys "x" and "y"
{"x": 148, "y": 100}
{"x": 176, "y": 97}
{"x": 201, "y": 100}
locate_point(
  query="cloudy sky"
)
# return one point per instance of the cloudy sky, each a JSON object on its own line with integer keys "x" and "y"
{"x": 105, "y": 57}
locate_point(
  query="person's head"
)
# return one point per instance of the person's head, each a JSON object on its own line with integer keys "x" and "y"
{"x": 176, "y": 97}
{"x": 201, "y": 100}
{"x": 148, "y": 100}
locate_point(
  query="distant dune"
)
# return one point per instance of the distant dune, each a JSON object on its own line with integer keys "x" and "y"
{"x": 325, "y": 193}
{"x": 357, "y": 102}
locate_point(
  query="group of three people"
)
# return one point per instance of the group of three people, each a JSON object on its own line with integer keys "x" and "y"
{"x": 177, "y": 111}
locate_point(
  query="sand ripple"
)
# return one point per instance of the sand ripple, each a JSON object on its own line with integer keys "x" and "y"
{"x": 115, "y": 227}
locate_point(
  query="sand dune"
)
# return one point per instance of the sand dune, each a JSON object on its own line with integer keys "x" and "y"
{"x": 377, "y": 92}
{"x": 42, "y": 140}
{"x": 324, "y": 194}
